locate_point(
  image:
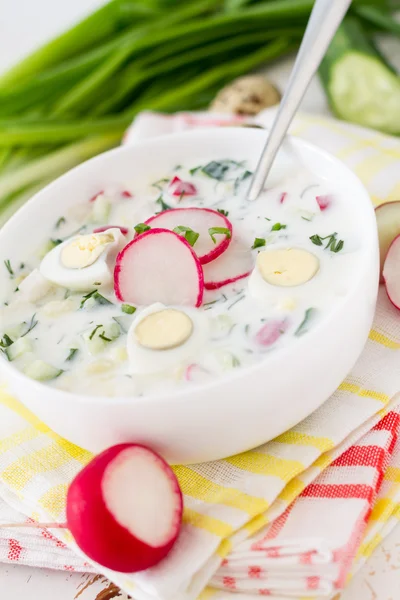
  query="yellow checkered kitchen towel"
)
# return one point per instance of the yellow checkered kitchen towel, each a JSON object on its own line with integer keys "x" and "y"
{"x": 243, "y": 505}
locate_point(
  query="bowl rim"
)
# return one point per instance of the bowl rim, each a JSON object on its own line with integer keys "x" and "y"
{"x": 181, "y": 395}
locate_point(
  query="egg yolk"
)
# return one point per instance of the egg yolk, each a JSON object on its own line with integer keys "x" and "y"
{"x": 85, "y": 250}
{"x": 164, "y": 329}
{"x": 288, "y": 267}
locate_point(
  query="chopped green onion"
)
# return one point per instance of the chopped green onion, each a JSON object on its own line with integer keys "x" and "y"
{"x": 72, "y": 354}
{"x": 141, "y": 228}
{"x": 219, "y": 230}
{"x": 128, "y": 309}
{"x": 61, "y": 221}
{"x": 103, "y": 337}
{"x": 304, "y": 325}
{"x": 258, "y": 243}
{"x": 95, "y": 296}
{"x": 190, "y": 236}
{"x": 194, "y": 170}
{"x": 6, "y": 341}
{"x": 162, "y": 204}
{"x": 157, "y": 185}
{"x": 278, "y": 227}
{"x": 8, "y": 267}
{"x": 333, "y": 244}
{"x": 91, "y": 336}
{"x": 223, "y": 212}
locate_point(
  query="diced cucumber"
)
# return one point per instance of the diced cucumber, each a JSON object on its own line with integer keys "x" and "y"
{"x": 16, "y": 331}
{"x": 361, "y": 87}
{"x": 19, "y": 348}
{"x": 99, "y": 337}
{"x": 124, "y": 323}
{"x": 101, "y": 209}
{"x": 42, "y": 371}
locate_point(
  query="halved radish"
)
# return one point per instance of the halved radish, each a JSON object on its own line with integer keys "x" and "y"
{"x": 123, "y": 230}
{"x": 200, "y": 220}
{"x": 159, "y": 266}
{"x": 235, "y": 263}
{"x": 391, "y": 272}
{"x": 179, "y": 188}
{"x": 388, "y": 221}
{"x": 324, "y": 202}
{"x": 124, "y": 508}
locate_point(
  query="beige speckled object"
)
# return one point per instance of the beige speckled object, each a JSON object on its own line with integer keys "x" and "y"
{"x": 246, "y": 96}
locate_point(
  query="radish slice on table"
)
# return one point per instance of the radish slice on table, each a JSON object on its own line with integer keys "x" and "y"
{"x": 388, "y": 221}
{"x": 123, "y": 230}
{"x": 391, "y": 272}
{"x": 235, "y": 263}
{"x": 159, "y": 266}
{"x": 124, "y": 508}
{"x": 200, "y": 220}
{"x": 179, "y": 188}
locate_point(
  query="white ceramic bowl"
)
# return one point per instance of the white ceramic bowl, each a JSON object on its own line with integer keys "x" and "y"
{"x": 246, "y": 408}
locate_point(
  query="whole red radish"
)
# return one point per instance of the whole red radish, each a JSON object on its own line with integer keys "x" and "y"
{"x": 124, "y": 508}
{"x": 391, "y": 272}
{"x": 388, "y": 221}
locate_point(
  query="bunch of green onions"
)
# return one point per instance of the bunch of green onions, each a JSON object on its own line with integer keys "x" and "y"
{"x": 74, "y": 97}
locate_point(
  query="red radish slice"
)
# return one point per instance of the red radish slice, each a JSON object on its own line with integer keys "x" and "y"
{"x": 391, "y": 272}
{"x": 123, "y": 230}
{"x": 124, "y": 508}
{"x": 200, "y": 220}
{"x": 324, "y": 202}
{"x": 234, "y": 264}
{"x": 93, "y": 198}
{"x": 159, "y": 266}
{"x": 388, "y": 221}
{"x": 126, "y": 194}
{"x": 271, "y": 332}
{"x": 282, "y": 197}
{"x": 177, "y": 187}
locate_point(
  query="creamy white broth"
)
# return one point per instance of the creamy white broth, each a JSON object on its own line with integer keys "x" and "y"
{"x": 244, "y": 321}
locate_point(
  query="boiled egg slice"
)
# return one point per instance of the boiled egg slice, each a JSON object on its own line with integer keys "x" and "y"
{"x": 284, "y": 267}
{"x": 84, "y": 261}
{"x": 162, "y": 337}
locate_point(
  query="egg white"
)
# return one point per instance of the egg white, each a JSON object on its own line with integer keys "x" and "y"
{"x": 81, "y": 280}
{"x": 144, "y": 361}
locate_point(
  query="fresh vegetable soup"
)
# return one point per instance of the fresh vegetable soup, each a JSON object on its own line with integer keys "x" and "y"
{"x": 180, "y": 280}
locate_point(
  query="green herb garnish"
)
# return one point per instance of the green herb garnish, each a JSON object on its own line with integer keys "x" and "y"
{"x": 61, "y": 221}
{"x": 333, "y": 244}
{"x": 95, "y": 296}
{"x": 157, "y": 185}
{"x": 8, "y": 267}
{"x": 6, "y": 341}
{"x": 219, "y": 230}
{"x": 71, "y": 354}
{"x": 258, "y": 243}
{"x": 223, "y": 212}
{"x": 56, "y": 242}
{"x": 218, "y": 170}
{"x": 303, "y": 327}
{"x": 194, "y": 170}
{"x": 240, "y": 180}
{"x": 278, "y": 227}
{"x": 163, "y": 205}
{"x": 266, "y": 218}
{"x": 103, "y": 337}
{"x": 91, "y": 336}
{"x": 190, "y": 236}
{"x": 141, "y": 228}
{"x": 128, "y": 309}
{"x": 32, "y": 324}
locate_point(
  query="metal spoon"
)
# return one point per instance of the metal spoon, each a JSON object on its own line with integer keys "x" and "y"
{"x": 325, "y": 18}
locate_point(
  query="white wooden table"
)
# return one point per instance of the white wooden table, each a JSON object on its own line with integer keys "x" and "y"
{"x": 24, "y": 24}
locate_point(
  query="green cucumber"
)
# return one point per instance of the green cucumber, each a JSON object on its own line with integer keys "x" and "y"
{"x": 96, "y": 339}
{"x": 360, "y": 86}
{"x": 42, "y": 371}
{"x": 16, "y": 331}
{"x": 20, "y": 347}
{"x": 101, "y": 209}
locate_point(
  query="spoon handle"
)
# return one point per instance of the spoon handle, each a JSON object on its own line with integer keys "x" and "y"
{"x": 325, "y": 18}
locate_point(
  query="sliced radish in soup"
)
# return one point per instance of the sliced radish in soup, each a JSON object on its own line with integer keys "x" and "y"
{"x": 124, "y": 508}
{"x": 180, "y": 188}
{"x": 199, "y": 220}
{"x": 159, "y": 266}
{"x": 235, "y": 263}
